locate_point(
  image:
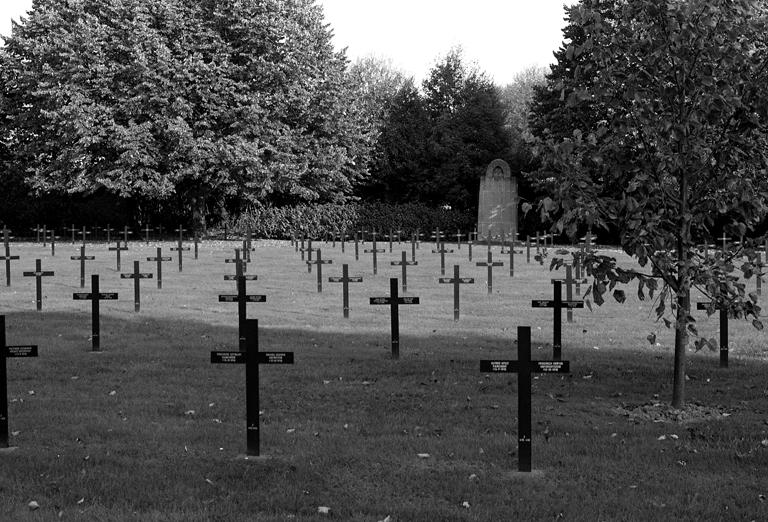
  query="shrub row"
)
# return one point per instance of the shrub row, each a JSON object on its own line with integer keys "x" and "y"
{"x": 319, "y": 220}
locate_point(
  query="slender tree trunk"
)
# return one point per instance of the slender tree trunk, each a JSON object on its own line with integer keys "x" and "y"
{"x": 683, "y": 295}
{"x": 681, "y": 342}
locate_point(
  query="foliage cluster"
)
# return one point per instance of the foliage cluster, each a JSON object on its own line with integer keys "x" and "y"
{"x": 655, "y": 122}
{"x": 317, "y": 220}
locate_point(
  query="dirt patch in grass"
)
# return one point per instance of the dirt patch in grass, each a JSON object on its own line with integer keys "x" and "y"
{"x": 661, "y": 412}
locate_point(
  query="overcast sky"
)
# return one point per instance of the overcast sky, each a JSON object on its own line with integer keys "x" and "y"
{"x": 501, "y": 36}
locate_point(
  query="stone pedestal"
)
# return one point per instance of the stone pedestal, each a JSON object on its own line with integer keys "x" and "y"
{"x": 497, "y": 208}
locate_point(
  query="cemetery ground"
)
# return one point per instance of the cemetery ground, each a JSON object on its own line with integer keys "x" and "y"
{"x": 148, "y": 429}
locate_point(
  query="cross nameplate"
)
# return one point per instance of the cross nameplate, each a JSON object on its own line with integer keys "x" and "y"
{"x": 545, "y": 303}
{"x": 232, "y": 298}
{"x": 103, "y": 296}
{"x": 21, "y": 351}
{"x": 388, "y": 300}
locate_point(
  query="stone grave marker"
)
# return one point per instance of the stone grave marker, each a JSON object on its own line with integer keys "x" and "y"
{"x": 95, "y": 296}
{"x": 7, "y": 351}
{"x": 252, "y": 358}
{"x": 497, "y": 204}
{"x": 456, "y": 281}
{"x": 159, "y": 260}
{"x": 82, "y": 258}
{"x": 524, "y": 367}
{"x": 137, "y": 276}
{"x": 39, "y": 274}
{"x": 557, "y": 322}
{"x": 394, "y": 302}
{"x": 345, "y": 280}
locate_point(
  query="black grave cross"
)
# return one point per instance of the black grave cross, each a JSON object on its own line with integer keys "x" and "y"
{"x": 459, "y": 235}
{"x": 5, "y": 352}
{"x": 357, "y": 247}
{"x": 490, "y": 264}
{"x": 159, "y": 259}
{"x": 759, "y": 274}
{"x": 180, "y": 246}
{"x": 301, "y": 250}
{"x": 374, "y": 251}
{"x": 557, "y": 305}
{"x": 83, "y": 233}
{"x": 237, "y": 261}
{"x": 196, "y": 240}
{"x": 82, "y": 258}
{"x": 45, "y": 235}
{"x": 39, "y": 274}
{"x": 74, "y": 230}
{"x": 126, "y": 232}
{"x": 512, "y": 253}
{"x": 527, "y": 249}
{"x": 242, "y": 299}
{"x": 725, "y": 240}
{"x": 37, "y": 231}
{"x": 394, "y": 303}
{"x": 390, "y": 237}
{"x": 108, "y": 229}
{"x": 147, "y": 230}
{"x": 252, "y": 358}
{"x": 94, "y": 296}
{"x": 472, "y": 237}
{"x": 239, "y": 269}
{"x": 438, "y": 236}
{"x": 456, "y": 281}
{"x": 524, "y": 367}
{"x": 319, "y": 261}
{"x": 345, "y": 280}
{"x": 413, "y": 247}
{"x": 308, "y": 249}
{"x": 117, "y": 249}
{"x": 723, "y": 329}
{"x": 7, "y": 257}
{"x": 404, "y": 263}
{"x": 442, "y": 251}
{"x": 54, "y": 237}
{"x": 137, "y": 276}
{"x": 569, "y": 282}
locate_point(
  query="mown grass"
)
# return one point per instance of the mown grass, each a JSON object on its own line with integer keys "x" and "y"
{"x": 344, "y": 425}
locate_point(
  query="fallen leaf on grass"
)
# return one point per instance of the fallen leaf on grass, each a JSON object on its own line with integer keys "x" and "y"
{"x": 662, "y": 437}
{"x": 423, "y": 455}
{"x": 209, "y": 481}
{"x": 113, "y": 392}
{"x": 587, "y": 376}
{"x": 386, "y": 519}
{"x": 290, "y": 430}
{"x": 81, "y": 501}
{"x": 323, "y": 510}
{"x": 14, "y": 433}
{"x": 473, "y": 477}
{"x": 33, "y": 505}
{"x": 31, "y": 392}
{"x": 763, "y": 443}
{"x": 189, "y": 412}
{"x": 465, "y": 504}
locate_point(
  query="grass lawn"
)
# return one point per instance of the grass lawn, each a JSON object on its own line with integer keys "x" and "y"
{"x": 149, "y": 430}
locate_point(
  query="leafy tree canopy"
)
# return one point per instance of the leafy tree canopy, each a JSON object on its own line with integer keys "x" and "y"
{"x": 664, "y": 104}
{"x": 211, "y": 101}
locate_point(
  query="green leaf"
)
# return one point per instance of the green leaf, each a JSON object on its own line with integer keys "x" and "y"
{"x": 651, "y": 338}
{"x": 619, "y": 296}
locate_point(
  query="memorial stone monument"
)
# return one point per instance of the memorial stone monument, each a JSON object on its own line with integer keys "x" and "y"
{"x": 497, "y": 208}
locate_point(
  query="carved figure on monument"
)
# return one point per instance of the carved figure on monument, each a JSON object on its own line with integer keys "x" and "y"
{"x": 497, "y": 204}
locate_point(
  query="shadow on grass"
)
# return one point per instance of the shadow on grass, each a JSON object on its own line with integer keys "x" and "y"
{"x": 150, "y": 430}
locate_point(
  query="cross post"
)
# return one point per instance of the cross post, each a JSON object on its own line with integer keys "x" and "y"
{"x": 241, "y": 298}
{"x": 38, "y": 274}
{"x": 524, "y": 366}
{"x": 557, "y": 305}
{"x": 345, "y": 280}
{"x": 180, "y": 245}
{"x": 5, "y": 352}
{"x": 136, "y": 276}
{"x": 490, "y": 264}
{"x": 723, "y": 329}
{"x": 319, "y": 261}
{"x": 95, "y": 296}
{"x": 456, "y": 281}
{"x": 374, "y": 251}
{"x": 117, "y": 249}
{"x": 82, "y": 258}
{"x": 394, "y": 302}
{"x": 442, "y": 251}
{"x": 159, "y": 259}
{"x": 404, "y": 263}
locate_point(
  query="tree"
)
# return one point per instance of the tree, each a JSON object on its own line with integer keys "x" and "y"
{"x": 517, "y": 98}
{"x": 681, "y": 139}
{"x": 168, "y": 100}
{"x": 467, "y": 123}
